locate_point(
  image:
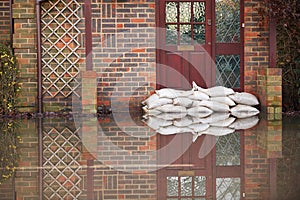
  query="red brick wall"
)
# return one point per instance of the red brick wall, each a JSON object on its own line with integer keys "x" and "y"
{"x": 124, "y": 50}
{"x": 4, "y": 21}
{"x": 256, "y": 44}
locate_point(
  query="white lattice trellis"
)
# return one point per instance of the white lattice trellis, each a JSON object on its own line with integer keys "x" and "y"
{"x": 59, "y": 20}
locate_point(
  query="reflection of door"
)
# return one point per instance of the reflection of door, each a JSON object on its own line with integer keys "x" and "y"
{"x": 218, "y": 175}
{"x": 184, "y": 44}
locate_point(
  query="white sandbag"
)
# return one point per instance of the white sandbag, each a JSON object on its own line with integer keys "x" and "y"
{"x": 214, "y": 91}
{"x": 224, "y": 100}
{"x": 169, "y": 130}
{"x": 183, "y": 122}
{"x": 245, "y": 123}
{"x": 155, "y": 123}
{"x": 173, "y": 93}
{"x": 169, "y": 108}
{"x": 244, "y": 111}
{"x": 153, "y": 97}
{"x": 218, "y": 131}
{"x": 199, "y": 127}
{"x": 171, "y": 116}
{"x": 215, "y": 106}
{"x": 197, "y": 95}
{"x": 152, "y": 112}
{"x": 183, "y": 101}
{"x": 199, "y": 111}
{"x": 214, "y": 118}
{"x": 244, "y": 98}
{"x": 223, "y": 123}
{"x": 218, "y": 91}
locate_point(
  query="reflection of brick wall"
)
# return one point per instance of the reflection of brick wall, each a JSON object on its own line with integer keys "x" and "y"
{"x": 262, "y": 144}
{"x": 121, "y": 160}
{"x": 26, "y": 180}
{"x": 4, "y": 21}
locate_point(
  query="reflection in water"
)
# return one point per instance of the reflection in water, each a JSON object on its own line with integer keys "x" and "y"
{"x": 9, "y": 146}
{"x": 66, "y": 160}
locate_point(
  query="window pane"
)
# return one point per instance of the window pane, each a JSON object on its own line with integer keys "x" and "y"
{"x": 200, "y": 186}
{"x": 186, "y": 186}
{"x": 185, "y": 34}
{"x": 228, "y": 150}
{"x": 228, "y": 21}
{"x": 228, "y": 188}
{"x": 172, "y": 186}
{"x": 185, "y": 11}
{"x": 171, "y": 12}
{"x": 199, "y": 33}
{"x": 171, "y": 34}
{"x": 228, "y": 70}
{"x": 199, "y": 11}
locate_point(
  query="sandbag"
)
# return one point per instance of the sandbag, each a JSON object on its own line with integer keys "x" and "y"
{"x": 245, "y": 123}
{"x": 214, "y": 117}
{"x": 244, "y": 111}
{"x": 152, "y": 112}
{"x": 215, "y": 106}
{"x": 224, "y": 100}
{"x": 223, "y": 123}
{"x": 183, "y": 122}
{"x": 199, "y": 127}
{"x": 172, "y": 116}
{"x": 199, "y": 111}
{"x": 244, "y": 98}
{"x": 197, "y": 95}
{"x": 173, "y": 93}
{"x": 214, "y": 91}
{"x": 169, "y": 130}
{"x": 155, "y": 123}
{"x": 218, "y": 131}
{"x": 169, "y": 108}
{"x": 183, "y": 101}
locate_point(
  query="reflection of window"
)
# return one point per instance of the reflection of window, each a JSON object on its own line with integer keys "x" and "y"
{"x": 228, "y": 188}
{"x": 228, "y": 150}
{"x": 187, "y": 19}
{"x": 186, "y": 187}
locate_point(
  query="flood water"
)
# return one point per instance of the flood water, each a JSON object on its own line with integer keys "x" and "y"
{"x": 120, "y": 157}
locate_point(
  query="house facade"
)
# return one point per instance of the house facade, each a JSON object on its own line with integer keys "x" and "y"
{"x": 85, "y": 53}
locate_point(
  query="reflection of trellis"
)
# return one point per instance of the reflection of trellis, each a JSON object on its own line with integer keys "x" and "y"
{"x": 61, "y": 152}
{"x": 60, "y": 44}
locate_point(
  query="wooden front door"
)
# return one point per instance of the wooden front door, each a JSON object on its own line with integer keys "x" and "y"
{"x": 184, "y": 44}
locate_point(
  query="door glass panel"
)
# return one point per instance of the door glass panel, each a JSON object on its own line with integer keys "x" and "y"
{"x": 228, "y": 188}
{"x": 228, "y": 150}
{"x": 185, "y": 34}
{"x": 185, "y": 11}
{"x": 186, "y": 186}
{"x": 200, "y": 186}
{"x": 228, "y": 70}
{"x": 199, "y": 33}
{"x": 228, "y": 21}
{"x": 171, "y": 12}
{"x": 171, "y": 34}
{"x": 199, "y": 11}
{"x": 172, "y": 186}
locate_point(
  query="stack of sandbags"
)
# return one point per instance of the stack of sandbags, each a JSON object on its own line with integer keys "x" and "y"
{"x": 210, "y": 111}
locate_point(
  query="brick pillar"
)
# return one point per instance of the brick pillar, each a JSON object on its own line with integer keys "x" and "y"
{"x": 270, "y": 91}
{"x": 89, "y": 92}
